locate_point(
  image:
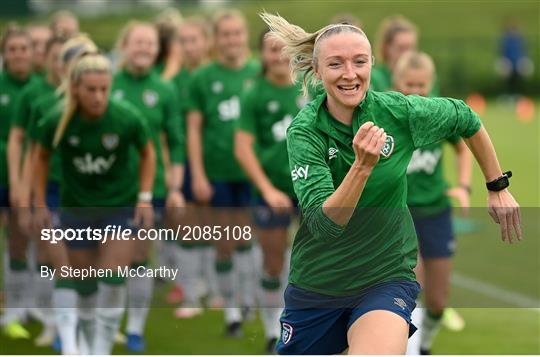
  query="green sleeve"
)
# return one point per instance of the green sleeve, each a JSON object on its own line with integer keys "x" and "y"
{"x": 140, "y": 131}
{"x": 173, "y": 127}
{"x": 195, "y": 100}
{"x": 22, "y": 109}
{"x": 312, "y": 181}
{"x": 246, "y": 122}
{"x": 454, "y": 139}
{"x": 44, "y": 131}
{"x": 435, "y": 119}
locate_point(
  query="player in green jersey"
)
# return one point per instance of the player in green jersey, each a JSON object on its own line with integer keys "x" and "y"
{"x": 396, "y": 35}
{"x": 97, "y": 138}
{"x": 40, "y": 35}
{"x": 267, "y": 109}
{"x": 16, "y": 49}
{"x": 427, "y": 198}
{"x": 352, "y": 283}
{"x": 217, "y": 179}
{"x": 19, "y": 153}
{"x": 198, "y": 258}
{"x": 157, "y": 101}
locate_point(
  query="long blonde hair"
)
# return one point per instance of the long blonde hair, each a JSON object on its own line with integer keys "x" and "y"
{"x": 85, "y": 63}
{"x": 71, "y": 49}
{"x": 388, "y": 29}
{"x": 302, "y": 47}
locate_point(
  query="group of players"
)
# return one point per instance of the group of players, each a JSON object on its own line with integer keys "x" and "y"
{"x": 185, "y": 117}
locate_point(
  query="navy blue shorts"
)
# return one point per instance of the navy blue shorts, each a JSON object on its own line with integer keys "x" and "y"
{"x": 435, "y": 235}
{"x": 53, "y": 195}
{"x": 265, "y": 218}
{"x": 95, "y": 220}
{"x": 231, "y": 194}
{"x": 4, "y": 198}
{"x": 186, "y": 189}
{"x": 314, "y": 324}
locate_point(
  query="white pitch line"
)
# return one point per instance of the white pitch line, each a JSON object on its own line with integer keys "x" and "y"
{"x": 495, "y": 292}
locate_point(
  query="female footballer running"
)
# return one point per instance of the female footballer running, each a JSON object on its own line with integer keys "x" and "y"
{"x": 198, "y": 258}
{"x": 268, "y": 108}
{"x": 97, "y": 138}
{"x": 217, "y": 179}
{"x": 351, "y": 283}
{"x": 27, "y": 110}
{"x": 16, "y": 48}
{"x": 427, "y": 198}
{"x": 157, "y": 101}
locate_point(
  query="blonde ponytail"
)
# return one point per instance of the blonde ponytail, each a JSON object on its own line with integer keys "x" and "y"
{"x": 85, "y": 63}
{"x": 302, "y": 47}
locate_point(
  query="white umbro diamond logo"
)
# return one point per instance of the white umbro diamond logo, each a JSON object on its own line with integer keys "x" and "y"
{"x": 400, "y": 302}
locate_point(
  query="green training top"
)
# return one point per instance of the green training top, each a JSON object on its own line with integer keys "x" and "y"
{"x": 97, "y": 156}
{"x": 10, "y": 90}
{"x": 267, "y": 111}
{"x": 426, "y": 185}
{"x": 381, "y": 80}
{"x": 157, "y": 101}
{"x": 45, "y": 104}
{"x": 215, "y": 91}
{"x": 379, "y": 242}
{"x": 27, "y": 100}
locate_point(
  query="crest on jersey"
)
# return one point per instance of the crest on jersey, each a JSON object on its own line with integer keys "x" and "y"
{"x": 273, "y": 106}
{"x": 74, "y": 140}
{"x": 332, "y": 153}
{"x": 110, "y": 141}
{"x": 286, "y": 332}
{"x": 217, "y": 87}
{"x": 4, "y": 99}
{"x": 150, "y": 98}
{"x": 388, "y": 147}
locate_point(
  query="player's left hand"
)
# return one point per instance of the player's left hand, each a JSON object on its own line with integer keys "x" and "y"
{"x": 505, "y": 211}
{"x": 144, "y": 215}
{"x": 462, "y": 196}
{"x": 175, "y": 204}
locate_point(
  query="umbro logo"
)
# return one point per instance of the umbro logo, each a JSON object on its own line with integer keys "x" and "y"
{"x": 332, "y": 153}
{"x": 401, "y": 303}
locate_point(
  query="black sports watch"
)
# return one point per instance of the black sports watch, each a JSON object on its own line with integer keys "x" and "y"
{"x": 500, "y": 183}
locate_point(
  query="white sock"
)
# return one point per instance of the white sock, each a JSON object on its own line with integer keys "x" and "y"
{"x": 16, "y": 280}
{"x": 65, "y": 313}
{"x": 430, "y": 328}
{"x": 244, "y": 268}
{"x": 190, "y": 265}
{"x": 413, "y": 345}
{"x": 44, "y": 292}
{"x": 227, "y": 287}
{"x": 140, "y": 290}
{"x": 271, "y": 302}
{"x": 208, "y": 258}
{"x": 111, "y": 302}
{"x": 87, "y": 322}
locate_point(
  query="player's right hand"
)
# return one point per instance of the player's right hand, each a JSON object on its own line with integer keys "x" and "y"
{"x": 367, "y": 145}
{"x": 41, "y": 218}
{"x": 202, "y": 190}
{"x": 278, "y": 201}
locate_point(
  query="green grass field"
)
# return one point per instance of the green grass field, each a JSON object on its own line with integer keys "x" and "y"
{"x": 498, "y": 290}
